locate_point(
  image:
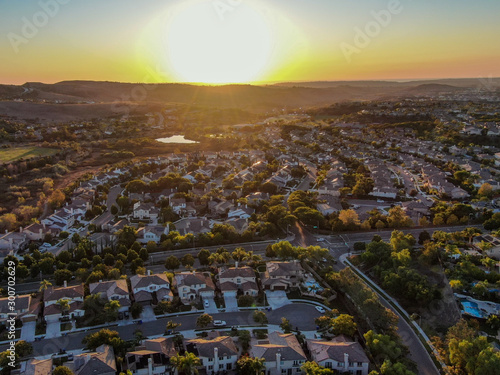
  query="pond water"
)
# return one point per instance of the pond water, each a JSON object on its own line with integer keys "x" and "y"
{"x": 176, "y": 139}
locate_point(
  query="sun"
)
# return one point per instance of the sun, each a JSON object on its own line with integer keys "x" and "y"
{"x": 204, "y": 44}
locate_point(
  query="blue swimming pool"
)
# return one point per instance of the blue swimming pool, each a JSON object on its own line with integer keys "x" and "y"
{"x": 472, "y": 309}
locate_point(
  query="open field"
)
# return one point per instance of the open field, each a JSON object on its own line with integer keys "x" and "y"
{"x": 10, "y": 154}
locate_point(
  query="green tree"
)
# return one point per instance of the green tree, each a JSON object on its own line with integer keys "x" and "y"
{"x": 245, "y": 301}
{"x": 285, "y": 325}
{"x": 111, "y": 310}
{"x": 171, "y": 326}
{"x": 186, "y": 364}
{"x": 203, "y": 257}
{"x": 62, "y": 370}
{"x": 250, "y": 366}
{"x": 60, "y": 276}
{"x": 259, "y": 317}
{"x": 136, "y": 310}
{"x": 104, "y": 336}
{"x": 187, "y": 261}
{"x": 312, "y": 368}
{"x": 23, "y": 348}
{"x": 204, "y": 320}
{"x": 343, "y": 325}
{"x": 44, "y": 285}
{"x": 172, "y": 263}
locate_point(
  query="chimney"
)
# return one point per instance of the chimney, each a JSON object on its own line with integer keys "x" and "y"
{"x": 346, "y": 361}
{"x": 149, "y": 272}
{"x": 278, "y": 362}
{"x": 20, "y": 229}
{"x": 150, "y": 366}
{"x": 65, "y": 284}
{"x": 236, "y": 264}
{"x": 216, "y": 359}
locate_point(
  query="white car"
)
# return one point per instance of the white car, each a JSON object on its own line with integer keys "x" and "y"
{"x": 320, "y": 309}
{"x": 219, "y": 323}
{"x": 206, "y": 303}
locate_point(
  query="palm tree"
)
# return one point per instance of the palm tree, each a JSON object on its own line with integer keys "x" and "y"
{"x": 44, "y": 285}
{"x": 470, "y": 233}
{"x": 171, "y": 326}
{"x": 186, "y": 364}
{"x": 63, "y": 305}
{"x": 239, "y": 254}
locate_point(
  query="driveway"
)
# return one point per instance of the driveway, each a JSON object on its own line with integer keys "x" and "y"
{"x": 231, "y": 303}
{"x": 148, "y": 314}
{"x": 53, "y": 329}
{"x": 277, "y": 299}
{"x": 28, "y": 331}
{"x": 212, "y": 307}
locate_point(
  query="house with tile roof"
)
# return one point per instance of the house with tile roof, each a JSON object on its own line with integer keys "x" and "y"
{"x": 35, "y": 367}
{"x": 282, "y": 275}
{"x": 282, "y": 353}
{"x": 341, "y": 354}
{"x": 234, "y": 279}
{"x": 148, "y": 289}
{"x": 101, "y": 362}
{"x": 73, "y": 294}
{"x": 152, "y": 357}
{"x": 217, "y": 354}
{"x": 26, "y": 307}
{"x": 194, "y": 285}
{"x": 114, "y": 290}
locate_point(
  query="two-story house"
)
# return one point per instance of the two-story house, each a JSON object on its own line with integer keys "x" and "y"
{"x": 114, "y": 290}
{"x": 282, "y": 353}
{"x": 234, "y": 279}
{"x": 153, "y": 357}
{"x": 151, "y": 289}
{"x": 25, "y": 306}
{"x": 282, "y": 275}
{"x": 151, "y": 233}
{"x": 341, "y": 354}
{"x": 194, "y": 285}
{"x": 101, "y": 362}
{"x": 217, "y": 354}
{"x": 146, "y": 211}
{"x": 53, "y": 311}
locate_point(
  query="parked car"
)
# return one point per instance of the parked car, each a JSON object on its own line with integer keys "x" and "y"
{"x": 320, "y": 309}
{"x": 219, "y": 323}
{"x": 206, "y": 303}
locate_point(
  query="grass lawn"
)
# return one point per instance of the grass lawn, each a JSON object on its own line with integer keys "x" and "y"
{"x": 14, "y": 153}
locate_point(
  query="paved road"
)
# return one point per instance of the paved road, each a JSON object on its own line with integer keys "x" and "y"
{"x": 295, "y": 313}
{"x": 112, "y": 195}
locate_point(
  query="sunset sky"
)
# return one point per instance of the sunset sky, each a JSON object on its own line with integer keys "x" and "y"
{"x": 247, "y": 41}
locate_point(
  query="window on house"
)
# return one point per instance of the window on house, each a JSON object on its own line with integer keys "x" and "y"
{"x": 210, "y": 359}
{"x": 221, "y": 358}
{"x": 360, "y": 364}
{"x": 221, "y": 366}
{"x": 328, "y": 364}
{"x": 229, "y": 366}
{"x": 210, "y": 367}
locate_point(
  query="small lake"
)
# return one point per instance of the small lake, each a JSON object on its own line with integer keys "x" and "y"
{"x": 176, "y": 139}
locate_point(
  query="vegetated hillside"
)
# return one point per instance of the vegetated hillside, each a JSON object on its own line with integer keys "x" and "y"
{"x": 76, "y": 100}
{"x": 434, "y": 88}
{"x": 67, "y": 112}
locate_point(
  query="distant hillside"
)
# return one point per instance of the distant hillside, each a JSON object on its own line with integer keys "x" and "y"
{"x": 75, "y": 100}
